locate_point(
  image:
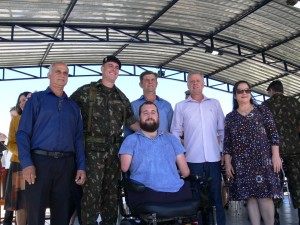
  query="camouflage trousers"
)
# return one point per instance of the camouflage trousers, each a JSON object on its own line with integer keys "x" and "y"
{"x": 101, "y": 189}
{"x": 292, "y": 166}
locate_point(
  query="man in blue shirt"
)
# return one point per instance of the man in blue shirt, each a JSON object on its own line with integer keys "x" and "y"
{"x": 49, "y": 138}
{"x": 148, "y": 82}
{"x": 151, "y": 157}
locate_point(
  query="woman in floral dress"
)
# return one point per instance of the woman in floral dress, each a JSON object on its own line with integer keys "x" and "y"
{"x": 252, "y": 158}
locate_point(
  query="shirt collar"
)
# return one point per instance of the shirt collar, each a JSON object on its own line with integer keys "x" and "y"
{"x": 159, "y": 133}
{"x": 189, "y": 99}
{"x": 48, "y": 91}
{"x": 143, "y": 98}
{"x": 99, "y": 84}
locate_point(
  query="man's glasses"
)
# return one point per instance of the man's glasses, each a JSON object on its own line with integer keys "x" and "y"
{"x": 241, "y": 91}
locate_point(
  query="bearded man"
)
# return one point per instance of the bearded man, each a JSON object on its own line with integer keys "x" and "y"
{"x": 151, "y": 156}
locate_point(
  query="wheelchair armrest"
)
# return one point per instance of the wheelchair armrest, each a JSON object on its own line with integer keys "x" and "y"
{"x": 134, "y": 185}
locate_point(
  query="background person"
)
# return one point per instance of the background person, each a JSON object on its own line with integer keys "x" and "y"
{"x": 187, "y": 94}
{"x": 252, "y": 158}
{"x": 159, "y": 148}
{"x": 5, "y": 163}
{"x": 105, "y": 111}
{"x": 49, "y": 137}
{"x": 15, "y": 185}
{"x": 13, "y": 111}
{"x": 5, "y": 160}
{"x": 286, "y": 112}
{"x": 2, "y": 137}
{"x": 148, "y": 82}
{"x": 201, "y": 119}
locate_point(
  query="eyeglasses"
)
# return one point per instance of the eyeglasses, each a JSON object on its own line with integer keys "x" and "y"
{"x": 241, "y": 91}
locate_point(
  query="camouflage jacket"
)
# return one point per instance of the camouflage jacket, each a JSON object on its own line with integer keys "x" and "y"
{"x": 109, "y": 109}
{"x": 286, "y": 112}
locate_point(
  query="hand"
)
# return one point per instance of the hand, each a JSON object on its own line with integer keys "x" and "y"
{"x": 229, "y": 169}
{"x": 29, "y": 174}
{"x": 277, "y": 163}
{"x": 80, "y": 177}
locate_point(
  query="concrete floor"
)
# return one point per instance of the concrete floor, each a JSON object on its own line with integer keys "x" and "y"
{"x": 237, "y": 214}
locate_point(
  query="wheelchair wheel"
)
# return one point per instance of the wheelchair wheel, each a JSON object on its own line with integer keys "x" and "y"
{"x": 128, "y": 222}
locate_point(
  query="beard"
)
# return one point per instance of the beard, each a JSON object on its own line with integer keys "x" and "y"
{"x": 149, "y": 127}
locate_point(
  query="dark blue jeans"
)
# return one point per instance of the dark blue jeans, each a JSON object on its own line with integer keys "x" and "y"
{"x": 212, "y": 170}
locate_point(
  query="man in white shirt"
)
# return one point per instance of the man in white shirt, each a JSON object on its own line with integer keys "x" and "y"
{"x": 202, "y": 121}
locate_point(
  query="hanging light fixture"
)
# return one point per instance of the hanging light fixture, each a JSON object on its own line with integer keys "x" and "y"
{"x": 213, "y": 51}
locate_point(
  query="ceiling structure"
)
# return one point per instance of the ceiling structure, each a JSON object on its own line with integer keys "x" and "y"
{"x": 257, "y": 40}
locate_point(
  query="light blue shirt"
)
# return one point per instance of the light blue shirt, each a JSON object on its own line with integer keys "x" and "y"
{"x": 165, "y": 113}
{"x": 202, "y": 122}
{"x": 154, "y": 161}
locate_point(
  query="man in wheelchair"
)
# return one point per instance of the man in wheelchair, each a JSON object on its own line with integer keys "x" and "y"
{"x": 152, "y": 158}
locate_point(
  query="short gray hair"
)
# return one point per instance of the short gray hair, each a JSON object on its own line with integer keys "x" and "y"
{"x": 53, "y": 64}
{"x": 195, "y": 72}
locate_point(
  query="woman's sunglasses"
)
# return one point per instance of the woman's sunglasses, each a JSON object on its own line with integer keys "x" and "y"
{"x": 241, "y": 91}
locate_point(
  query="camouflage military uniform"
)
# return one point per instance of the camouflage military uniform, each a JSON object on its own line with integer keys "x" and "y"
{"x": 286, "y": 111}
{"x": 102, "y": 145}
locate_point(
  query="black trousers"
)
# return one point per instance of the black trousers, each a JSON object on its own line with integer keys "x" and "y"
{"x": 75, "y": 201}
{"x": 8, "y": 217}
{"x": 51, "y": 189}
{"x": 151, "y": 196}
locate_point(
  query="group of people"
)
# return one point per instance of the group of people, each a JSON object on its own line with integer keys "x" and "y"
{"x": 57, "y": 134}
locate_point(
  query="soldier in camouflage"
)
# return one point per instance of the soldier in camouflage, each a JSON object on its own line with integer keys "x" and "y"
{"x": 286, "y": 111}
{"x": 105, "y": 110}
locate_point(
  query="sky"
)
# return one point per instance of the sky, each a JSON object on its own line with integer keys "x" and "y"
{"x": 170, "y": 90}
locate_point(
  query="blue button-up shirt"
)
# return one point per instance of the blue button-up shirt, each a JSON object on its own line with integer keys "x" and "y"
{"x": 165, "y": 113}
{"x": 50, "y": 123}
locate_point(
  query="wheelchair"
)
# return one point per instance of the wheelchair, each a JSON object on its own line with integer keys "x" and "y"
{"x": 159, "y": 213}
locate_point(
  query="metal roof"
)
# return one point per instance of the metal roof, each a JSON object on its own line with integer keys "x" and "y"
{"x": 259, "y": 41}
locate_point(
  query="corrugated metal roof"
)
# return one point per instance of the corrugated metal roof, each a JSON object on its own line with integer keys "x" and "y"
{"x": 259, "y": 40}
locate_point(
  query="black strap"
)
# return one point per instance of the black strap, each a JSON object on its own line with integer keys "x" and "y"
{"x": 92, "y": 99}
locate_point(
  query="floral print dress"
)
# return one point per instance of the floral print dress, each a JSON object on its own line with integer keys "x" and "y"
{"x": 248, "y": 140}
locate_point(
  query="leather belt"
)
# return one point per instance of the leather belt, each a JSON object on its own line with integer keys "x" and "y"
{"x": 104, "y": 140}
{"x": 55, "y": 155}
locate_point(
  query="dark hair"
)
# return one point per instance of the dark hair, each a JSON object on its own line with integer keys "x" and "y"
{"x": 13, "y": 108}
{"x": 18, "y": 108}
{"x": 147, "y": 103}
{"x": 146, "y": 73}
{"x": 276, "y": 86}
{"x": 235, "y": 103}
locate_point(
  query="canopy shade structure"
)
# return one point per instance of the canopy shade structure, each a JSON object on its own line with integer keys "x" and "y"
{"x": 253, "y": 40}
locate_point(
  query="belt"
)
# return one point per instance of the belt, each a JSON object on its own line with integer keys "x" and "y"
{"x": 56, "y": 155}
{"x": 104, "y": 140}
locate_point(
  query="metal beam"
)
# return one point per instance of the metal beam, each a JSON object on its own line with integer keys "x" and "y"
{"x": 165, "y": 35}
{"x": 227, "y": 25}
{"x": 58, "y": 30}
{"x": 149, "y": 23}
{"x": 127, "y": 70}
